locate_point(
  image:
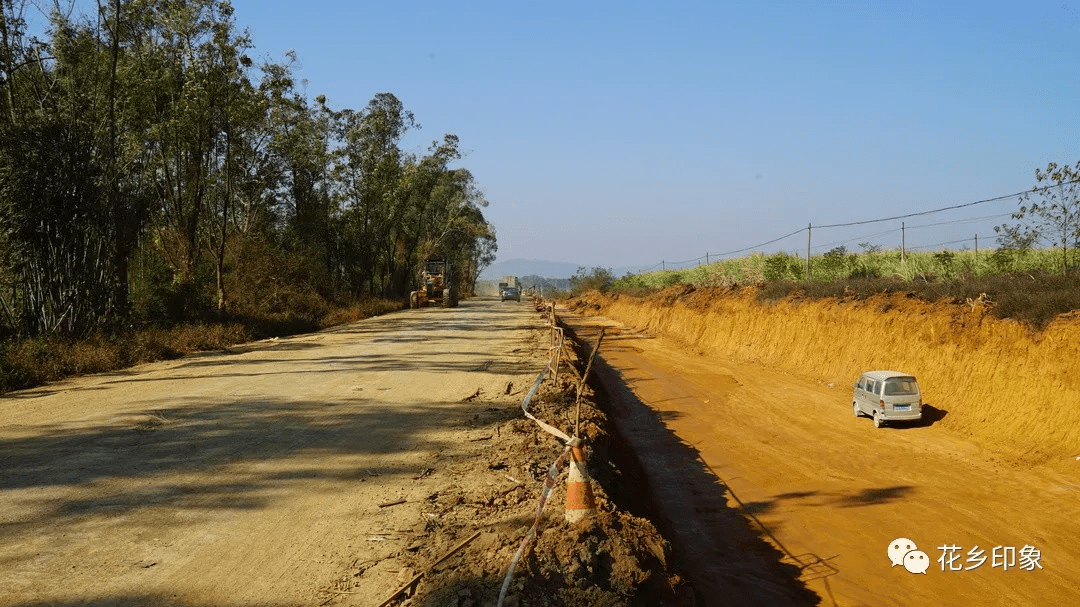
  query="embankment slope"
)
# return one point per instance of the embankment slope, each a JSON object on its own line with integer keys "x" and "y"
{"x": 1004, "y": 386}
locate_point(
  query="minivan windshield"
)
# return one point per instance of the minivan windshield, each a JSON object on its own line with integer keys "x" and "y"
{"x": 895, "y": 387}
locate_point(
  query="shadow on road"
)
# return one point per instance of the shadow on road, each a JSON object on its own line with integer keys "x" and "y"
{"x": 166, "y": 449}
{"x": 727, "y": 560}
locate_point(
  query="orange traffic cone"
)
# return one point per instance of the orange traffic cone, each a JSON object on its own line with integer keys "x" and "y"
{"x": 580, "y": 502}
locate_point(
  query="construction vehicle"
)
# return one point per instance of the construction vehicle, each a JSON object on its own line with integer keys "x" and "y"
{"x": 436, "y": 286}
{"x": 509, "y": 288}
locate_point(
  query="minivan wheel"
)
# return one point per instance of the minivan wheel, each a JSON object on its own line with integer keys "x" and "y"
{"x": 878, "y": 422}
{"x": 855, "y": 406}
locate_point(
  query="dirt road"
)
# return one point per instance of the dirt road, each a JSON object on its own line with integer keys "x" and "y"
{"x": 833, "y": 492}
{"x": 253, "y": 476}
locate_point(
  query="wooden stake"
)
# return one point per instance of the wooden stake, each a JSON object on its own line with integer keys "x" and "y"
{"x": 558, "y": 357}
{"x": 569, "y": 356}
{"x": 584, "y": 376}
{"x": 416, "y": 578}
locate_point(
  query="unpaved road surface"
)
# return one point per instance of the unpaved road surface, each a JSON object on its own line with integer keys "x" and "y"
{"x": 253, "y": 476}
{"x": 787, "y": 454}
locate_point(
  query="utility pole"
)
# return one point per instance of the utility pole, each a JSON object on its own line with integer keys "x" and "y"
{"x": 808, "y": 227}
{"x": 901, "y": 242}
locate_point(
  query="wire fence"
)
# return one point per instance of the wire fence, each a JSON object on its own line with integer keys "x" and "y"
{"x": 897, "y": 233}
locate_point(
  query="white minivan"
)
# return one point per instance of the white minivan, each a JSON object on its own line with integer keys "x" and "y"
{"x": 887, "y": 396}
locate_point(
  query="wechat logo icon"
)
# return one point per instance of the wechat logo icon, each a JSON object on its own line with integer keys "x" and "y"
{"x": 904, "y": 552}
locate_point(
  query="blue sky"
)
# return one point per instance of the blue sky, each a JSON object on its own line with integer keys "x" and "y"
{"x": 626, "y": 133}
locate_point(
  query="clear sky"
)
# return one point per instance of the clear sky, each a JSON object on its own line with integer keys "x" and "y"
{"x": 626, "y": 133}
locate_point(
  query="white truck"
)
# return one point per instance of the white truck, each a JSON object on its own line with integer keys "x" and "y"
{"x": 509, "y": 289}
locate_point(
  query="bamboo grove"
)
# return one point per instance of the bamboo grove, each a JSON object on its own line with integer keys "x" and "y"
{"x": 150, "y": 170}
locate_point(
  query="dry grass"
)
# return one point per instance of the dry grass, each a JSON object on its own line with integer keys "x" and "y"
{"x": 1001, "y": 383}
{"x": 359, "y": 311}
{"x": 1035, "y": 298}
{"x": 31, "y": 362}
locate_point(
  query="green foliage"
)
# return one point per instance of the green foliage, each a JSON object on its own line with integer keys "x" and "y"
{"x": 150, "y": 172}
{"x": 834, "y": 262}
{"x": 1049, "y": 215}
{"x": 930, "y": 267}
{"x": 1036, "y": 297}
{"x": 596, "y": 279}
{"x": 944, "y": 260}
{"x": 781, "y": 266}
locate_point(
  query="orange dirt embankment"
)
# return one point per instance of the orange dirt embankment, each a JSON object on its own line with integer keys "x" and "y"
{"x": 1006, "y": 387}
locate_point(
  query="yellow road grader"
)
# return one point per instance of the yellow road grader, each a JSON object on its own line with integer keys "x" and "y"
{"x": 436, "y": 286}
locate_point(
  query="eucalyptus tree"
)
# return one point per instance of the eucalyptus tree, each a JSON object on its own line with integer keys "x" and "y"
{"x": 238, "y": 111}
{"x": 194, "y": 45}
{"x": 421, "y": 178}
{"x": 1049, "y": 214}
{"x": 299, "y": 149}
{"x": 458, "y": 228}
{"x": 368, "y": 169}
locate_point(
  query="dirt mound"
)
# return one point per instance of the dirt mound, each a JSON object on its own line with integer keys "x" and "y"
{"x": 619, "y": 559}
{"x": 995, "y": 381}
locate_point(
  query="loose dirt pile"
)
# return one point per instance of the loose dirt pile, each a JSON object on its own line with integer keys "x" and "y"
{"x": 997, "y": 382}
{"x": 617, "y": 559}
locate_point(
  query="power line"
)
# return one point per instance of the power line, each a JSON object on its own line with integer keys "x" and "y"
{"x": 957, "y": 221}
{"x": 949, "y": 208}
{"x": 858, "y": 238}
{"x": 940, "y": 244}
{"x": 893, "y": 218}
{"x": 762, "y": 244}
{"x": 679, "y": 263}
{"x": 925, "y": 225}
{"x": 921, "y": 213}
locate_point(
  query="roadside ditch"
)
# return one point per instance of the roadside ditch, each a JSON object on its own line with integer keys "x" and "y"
{"x": 645, "y": 468}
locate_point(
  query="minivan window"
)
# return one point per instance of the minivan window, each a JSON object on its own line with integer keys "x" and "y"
{"x": 895, "y": 387}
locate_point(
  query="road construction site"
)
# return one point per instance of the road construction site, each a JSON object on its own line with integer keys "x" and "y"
{"x": 385, "y": 462}
{"x": 760, "y": 394}
{"x": 389, "y": 462}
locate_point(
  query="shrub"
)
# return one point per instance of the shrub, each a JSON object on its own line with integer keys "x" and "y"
{"x": 778, "y": 267}
{"x": 597, "y": 279}
{"x": 834, "y": 263}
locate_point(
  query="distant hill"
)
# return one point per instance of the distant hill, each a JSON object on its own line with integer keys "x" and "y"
{"x": 528, "y": 284}
{"x": 557, "y": 284}
{"x": 549, "y": 270}
{"x": 527, "y": 267}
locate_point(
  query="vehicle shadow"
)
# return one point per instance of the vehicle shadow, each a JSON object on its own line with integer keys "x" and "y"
{"x": 932, "y": 415}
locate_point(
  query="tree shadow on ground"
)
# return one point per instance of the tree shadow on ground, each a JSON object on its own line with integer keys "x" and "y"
{"x": 237, "y": 450}
{"x": 199, "y": 455}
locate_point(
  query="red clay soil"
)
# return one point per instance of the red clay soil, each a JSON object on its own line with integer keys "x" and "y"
{"x": 763, "y": 397}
